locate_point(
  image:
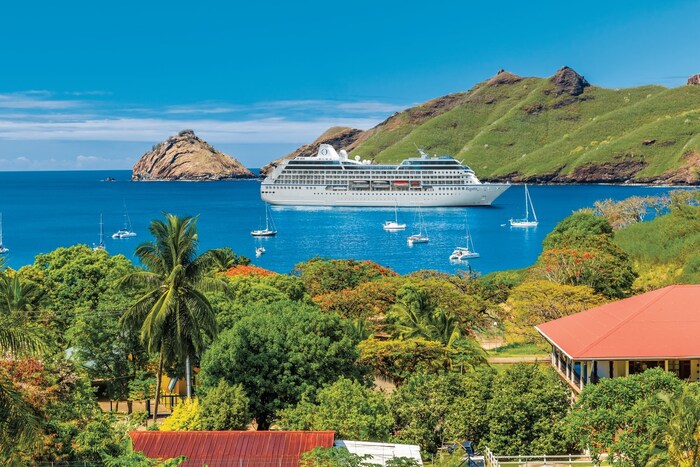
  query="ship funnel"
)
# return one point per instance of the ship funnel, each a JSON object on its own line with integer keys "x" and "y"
{"x": 326, "y": 151}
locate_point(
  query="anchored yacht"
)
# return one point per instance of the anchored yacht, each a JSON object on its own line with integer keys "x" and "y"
{"x": 333, "y": 179}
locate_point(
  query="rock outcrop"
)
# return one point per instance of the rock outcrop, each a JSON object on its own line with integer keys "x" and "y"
{"x": 187, "y": 157}
{"x": 567, "y": 81}
{"x": 694, "y": 80}
{"x": 504, "y": 77}
{"x": 338, "y": 137}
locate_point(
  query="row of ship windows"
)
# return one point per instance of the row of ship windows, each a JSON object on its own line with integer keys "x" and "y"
{"x": 362, "y": 191}
{"x": 371, "y": 172}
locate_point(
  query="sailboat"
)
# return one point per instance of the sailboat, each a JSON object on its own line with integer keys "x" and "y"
{"x": 127, "y": 231}
{"x": 420, "y": 237}
{"x": 3, "y": 249}
{"x": 101, "y": 245}
{"x": 462, "y": 253}
{"x": 526, "y": 222}
{"x": 269, "y": 222}
{"x": 394, "y": 225}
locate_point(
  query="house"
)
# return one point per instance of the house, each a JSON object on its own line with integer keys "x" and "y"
{"x": 227, "y": 448}
{"x": 655, "y": 329}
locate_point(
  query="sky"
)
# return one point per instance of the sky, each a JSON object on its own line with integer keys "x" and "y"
{"x": 93, "y": 85}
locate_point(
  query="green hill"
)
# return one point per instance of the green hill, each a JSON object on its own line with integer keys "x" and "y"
{"x": 558, "y": 129}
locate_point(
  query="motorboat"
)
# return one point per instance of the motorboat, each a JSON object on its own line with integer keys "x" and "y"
{"x": 526, "y": 222}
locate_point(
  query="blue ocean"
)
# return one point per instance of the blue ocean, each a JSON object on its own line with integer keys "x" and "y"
{"x": 46, "y": 210}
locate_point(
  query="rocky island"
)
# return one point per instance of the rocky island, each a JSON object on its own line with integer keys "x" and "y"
{"x": 187, "y": 157}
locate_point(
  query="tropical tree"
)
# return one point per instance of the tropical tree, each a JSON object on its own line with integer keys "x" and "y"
{"x": 678, "y": 437}
{"x": 348, "y": 407}
{"x": 17, "y": 294}
{"x": 278, "y": 352}
{"x": 224, "y": 258}
{"x": 18, "y": 423}
{"x": 174, "y": 315}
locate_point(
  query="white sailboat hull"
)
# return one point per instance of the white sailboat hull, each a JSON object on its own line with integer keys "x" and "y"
{"x": 516, "y": 223}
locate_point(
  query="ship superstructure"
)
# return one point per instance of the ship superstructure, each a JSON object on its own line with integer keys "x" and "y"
{"x": 333, "y": 179}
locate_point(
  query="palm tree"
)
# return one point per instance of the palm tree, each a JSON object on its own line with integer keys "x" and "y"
{"x": 224, "y": 259}
{"x": 173, "y": 315}
{"x": 17, "y": 294}
{"x": 420, "y": 318}
{"x": 678, "y": 440}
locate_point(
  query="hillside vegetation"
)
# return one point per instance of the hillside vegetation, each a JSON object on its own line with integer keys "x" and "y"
{"x": 558, "y": 129}
{"x": 665, "y": 250}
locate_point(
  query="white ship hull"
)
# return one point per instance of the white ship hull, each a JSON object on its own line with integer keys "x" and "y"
{"x": 468, "y": 195}
{"x": 332, "y": 179}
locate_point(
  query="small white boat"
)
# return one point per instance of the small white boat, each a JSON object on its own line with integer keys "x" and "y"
{"x": 526, "y": 222}
{"x": 100, "y": 246}
{"x": 463, "y": 253}
{"x": 394, "y": 225}
{"x": 270, "y": 230}
{"x": 259, "y": 251}
{"x": 127, "y": 231}
{"x": 421, "y": 236}
{"x": 3, "y": 248}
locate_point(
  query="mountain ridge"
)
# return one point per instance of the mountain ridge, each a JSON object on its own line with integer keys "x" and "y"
{"x": 560, "y": 129}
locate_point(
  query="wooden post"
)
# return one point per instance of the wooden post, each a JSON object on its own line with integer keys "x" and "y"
{"x": 627, "y": 367}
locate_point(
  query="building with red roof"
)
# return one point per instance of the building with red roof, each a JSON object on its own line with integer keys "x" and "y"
{"x": 656, "y": 329}
{"x": 231, "y": 448}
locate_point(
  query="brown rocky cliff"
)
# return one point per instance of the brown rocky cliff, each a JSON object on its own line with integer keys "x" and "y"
{"x": 187, "y": 157}
{"x": 338, "y": 137}
{"x": 694, "y": 80}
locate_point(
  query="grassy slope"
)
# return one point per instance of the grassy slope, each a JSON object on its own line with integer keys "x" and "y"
{"x": 664, "y": 250}
{"x": 492, "y": 131}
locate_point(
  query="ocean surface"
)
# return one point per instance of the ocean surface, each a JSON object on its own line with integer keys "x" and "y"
{"x": 46, "y": 210}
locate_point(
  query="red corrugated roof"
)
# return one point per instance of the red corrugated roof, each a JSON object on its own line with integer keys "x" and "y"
{"x": 658, "y": 324}
{"x": 231, "y": 448}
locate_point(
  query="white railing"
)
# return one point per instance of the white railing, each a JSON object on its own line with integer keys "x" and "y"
{"x": 570, "y": 460}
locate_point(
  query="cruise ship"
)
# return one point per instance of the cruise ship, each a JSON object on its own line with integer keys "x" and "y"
{"x": 333, "y": 179}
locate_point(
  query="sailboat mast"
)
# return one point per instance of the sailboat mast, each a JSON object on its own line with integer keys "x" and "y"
{"x": 0, "y": 229}
{"x": 532, "y": 206}
{"x": 101, "y": 230}
{"x": 527, "y": 214}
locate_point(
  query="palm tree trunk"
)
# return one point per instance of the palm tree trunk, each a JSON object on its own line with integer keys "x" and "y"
{"x": 188, "y": 375}
{"x": 159, "y": 376}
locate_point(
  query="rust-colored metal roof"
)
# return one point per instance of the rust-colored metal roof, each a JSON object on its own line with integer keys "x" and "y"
{"x": 231, "y": 448}
{"x": 661, "y": 324}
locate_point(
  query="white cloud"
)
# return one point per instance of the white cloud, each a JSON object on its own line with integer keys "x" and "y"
{"x": 29, "y": 100}
{"x": 40, "y": 116}
{"x": 270, "y": 130}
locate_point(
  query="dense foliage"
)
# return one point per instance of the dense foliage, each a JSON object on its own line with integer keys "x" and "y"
{"x": 619, "y": 415}
{"x": 352, "y": 410}
{"x": 278, "y": 352}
